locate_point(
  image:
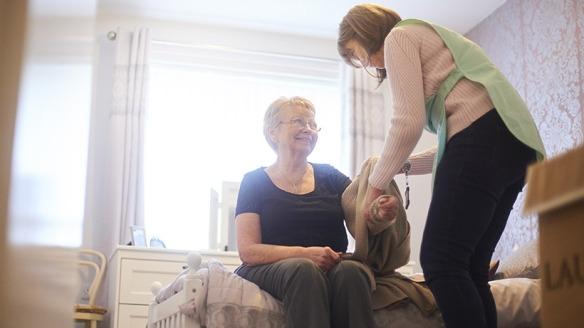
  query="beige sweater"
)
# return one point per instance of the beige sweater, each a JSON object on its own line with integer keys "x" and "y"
{"x": 417, "y": 62}
{"x": 382, "y": 247}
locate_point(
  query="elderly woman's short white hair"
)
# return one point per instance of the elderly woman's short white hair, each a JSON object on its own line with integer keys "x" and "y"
{"x": 272, "y": 116}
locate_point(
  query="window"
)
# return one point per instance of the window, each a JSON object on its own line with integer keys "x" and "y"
{"x": 204, "y": 127}
{"x": 50, "y": 154}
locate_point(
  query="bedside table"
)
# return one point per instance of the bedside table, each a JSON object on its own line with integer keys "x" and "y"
{"x": 132, "y": 270}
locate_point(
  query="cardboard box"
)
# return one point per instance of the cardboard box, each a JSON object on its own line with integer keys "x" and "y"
{"x": 555, "y": 191}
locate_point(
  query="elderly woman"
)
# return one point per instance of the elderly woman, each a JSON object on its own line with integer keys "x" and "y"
{"x": 290, "y": 227}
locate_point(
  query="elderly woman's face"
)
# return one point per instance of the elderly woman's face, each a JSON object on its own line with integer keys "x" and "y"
{"x": 297, "y": 130}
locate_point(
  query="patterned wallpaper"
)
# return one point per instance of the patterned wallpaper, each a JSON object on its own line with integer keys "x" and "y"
{"x": 539, "y": 46}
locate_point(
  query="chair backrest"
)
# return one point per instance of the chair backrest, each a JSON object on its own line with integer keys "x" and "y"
{"x": 96, "y": 261}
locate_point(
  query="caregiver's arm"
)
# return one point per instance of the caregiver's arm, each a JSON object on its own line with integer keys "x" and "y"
{"x": 422, "y": 162}
{"x": 253, "y": 252}
{"x": 404, "y": 74}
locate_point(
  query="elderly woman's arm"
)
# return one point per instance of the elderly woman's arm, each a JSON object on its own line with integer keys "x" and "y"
{"x": 253, "y": 252}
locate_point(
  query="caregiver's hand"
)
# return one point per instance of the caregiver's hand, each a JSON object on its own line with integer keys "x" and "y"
{"x": 370, "y": 196}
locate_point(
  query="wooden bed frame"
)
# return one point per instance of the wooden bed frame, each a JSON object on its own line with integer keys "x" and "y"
{"x": 167, "y": 314}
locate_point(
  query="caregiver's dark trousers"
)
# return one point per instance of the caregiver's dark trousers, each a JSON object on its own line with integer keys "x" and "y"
{"x": 476, "y": 184}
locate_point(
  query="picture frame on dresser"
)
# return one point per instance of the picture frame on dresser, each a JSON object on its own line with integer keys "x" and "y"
{"x": 138, "y": 236}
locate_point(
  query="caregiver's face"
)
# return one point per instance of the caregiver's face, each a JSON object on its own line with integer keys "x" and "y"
{"x": 363, "y": 59}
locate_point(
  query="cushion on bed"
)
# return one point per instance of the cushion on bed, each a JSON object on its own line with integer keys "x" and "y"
{"x": 521, "y": 263}
{"x": 518, "y": 302}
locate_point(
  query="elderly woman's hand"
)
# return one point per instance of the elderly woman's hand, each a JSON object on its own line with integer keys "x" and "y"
{"x": 324, "y": 257}
{"x": 384, "y": 208}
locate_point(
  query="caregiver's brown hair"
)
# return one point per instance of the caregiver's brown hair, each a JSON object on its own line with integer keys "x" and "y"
{"x": 368, "y": 25}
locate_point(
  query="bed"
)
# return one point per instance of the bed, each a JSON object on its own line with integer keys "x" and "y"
{"x": 208, "y": 295}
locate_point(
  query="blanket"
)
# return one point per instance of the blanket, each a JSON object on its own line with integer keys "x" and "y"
{"x": 227, "y": 300}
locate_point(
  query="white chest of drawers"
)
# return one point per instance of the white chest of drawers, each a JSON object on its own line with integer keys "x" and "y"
{"x": 132, "y": 270}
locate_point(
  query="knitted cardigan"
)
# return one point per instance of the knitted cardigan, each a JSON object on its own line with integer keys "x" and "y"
{"x": 382, "y": 246}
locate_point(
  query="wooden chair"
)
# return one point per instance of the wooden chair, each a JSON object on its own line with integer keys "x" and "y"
{"x": 90, "y": 312}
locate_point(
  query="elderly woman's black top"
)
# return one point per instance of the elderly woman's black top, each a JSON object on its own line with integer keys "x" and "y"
{"x": 312, "y": 219}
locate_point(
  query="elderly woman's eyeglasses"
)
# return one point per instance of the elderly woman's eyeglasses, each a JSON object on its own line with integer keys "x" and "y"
{"x": 302, "y": 123}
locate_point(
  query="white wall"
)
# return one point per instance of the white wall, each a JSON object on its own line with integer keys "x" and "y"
{"x": 420, "y": 196}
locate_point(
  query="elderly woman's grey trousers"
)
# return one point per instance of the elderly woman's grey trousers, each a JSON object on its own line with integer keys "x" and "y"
{"x": 313, "y": 298}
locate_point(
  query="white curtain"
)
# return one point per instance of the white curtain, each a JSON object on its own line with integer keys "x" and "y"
{"x": 367, "y": 111}
{"x": 115, "y": 167}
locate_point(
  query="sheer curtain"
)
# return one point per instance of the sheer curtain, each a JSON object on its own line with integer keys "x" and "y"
{"x": 115, "y": 167}
{"x": 367, "y": 112}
